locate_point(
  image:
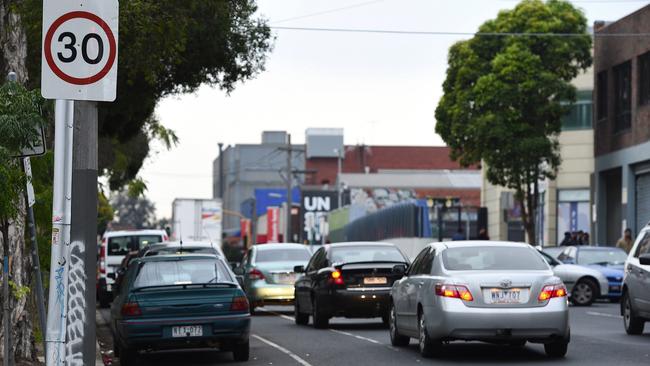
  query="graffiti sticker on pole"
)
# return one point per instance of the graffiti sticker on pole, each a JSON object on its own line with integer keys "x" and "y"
{"x": 79, "y": 50}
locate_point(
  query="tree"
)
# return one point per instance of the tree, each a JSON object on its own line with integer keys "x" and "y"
{"x": 21, "y": 111}
{"x": 504, "y": 96}
{"x": 133, "y": 211}
{"x": 166, "y": 47}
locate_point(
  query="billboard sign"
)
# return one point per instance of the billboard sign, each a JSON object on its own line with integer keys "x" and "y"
{"x": 314, "y": 207}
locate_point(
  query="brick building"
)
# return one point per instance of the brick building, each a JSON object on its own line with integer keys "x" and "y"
{"x": 622, "y": 126}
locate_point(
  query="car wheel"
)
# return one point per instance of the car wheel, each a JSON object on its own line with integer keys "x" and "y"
{"x": 556, "y": 349}
{"x": 633, "y": 324}
{"x": 584, "y": 292}
{"x": 128, "y": 356}
{"x": 396, "y": 339}
{"x": 241, "y": 351}
{"x": 385, "y": 319}
{"x": 321, "y": 321}
{"x": 428, "y": 347}
{"x": 301, "y": 319}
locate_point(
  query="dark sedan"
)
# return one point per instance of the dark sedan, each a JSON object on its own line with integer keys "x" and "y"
{"x": 351, "y": 280}
{"x": 179, "y": 301}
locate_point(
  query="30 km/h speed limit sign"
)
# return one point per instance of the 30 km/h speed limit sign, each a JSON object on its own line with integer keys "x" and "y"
{"x": 79, "y": 49}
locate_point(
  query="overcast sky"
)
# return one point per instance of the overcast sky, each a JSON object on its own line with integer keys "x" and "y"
{"x": 381, "y": 88}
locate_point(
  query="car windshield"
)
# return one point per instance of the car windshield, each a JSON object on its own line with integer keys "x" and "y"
{"x": 181, "y": 272}
{"x": 492, "y": 258}
{"x": 602, "y": 256}
{"x": 369, "y": 253}
{"x": 282, "y": 255}
{"x": 121, "y": 245}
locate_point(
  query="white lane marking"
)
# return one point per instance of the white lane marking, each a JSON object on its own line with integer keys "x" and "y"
{"x": 289, "y": 318}
{"x": 283, "y": 350}
{"x": 594, "y": 313}
{"x": 356, "y": 336}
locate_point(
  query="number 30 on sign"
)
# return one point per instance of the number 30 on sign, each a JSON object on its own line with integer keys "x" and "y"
{"x": 79, "y": 49}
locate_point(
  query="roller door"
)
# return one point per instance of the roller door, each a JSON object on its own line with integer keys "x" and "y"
{"x": 642, "y": 200}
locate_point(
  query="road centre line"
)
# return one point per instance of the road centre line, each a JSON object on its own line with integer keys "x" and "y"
{"x": 594, "y": 313}
{"x": 283, "y": 350}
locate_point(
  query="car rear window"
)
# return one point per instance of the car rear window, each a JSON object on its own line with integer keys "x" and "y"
{"x": 177, "y": 250}
{"x": 492, "y": 258}
{"x": 282, "y": 255}
{"x": 181, "y": 272}
{"x": 121, "y": 245}
{"x": 350, "y": 254}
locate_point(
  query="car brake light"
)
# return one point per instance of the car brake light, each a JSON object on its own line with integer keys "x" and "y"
{"x": 239, "y": 303}
{"x": 102, "y": 257}
{"x": 255, "y": 274}
{"x": 454, "y": 291}
{"x": 337, "y": 277}
{"x": 131, "y": 309}
{"x": 551, "y": 291}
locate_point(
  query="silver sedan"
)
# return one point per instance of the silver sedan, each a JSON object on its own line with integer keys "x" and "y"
{"x": 497, "y": 292}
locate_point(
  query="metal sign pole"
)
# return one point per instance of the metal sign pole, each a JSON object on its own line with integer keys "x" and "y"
{"x": 57, "y": 311}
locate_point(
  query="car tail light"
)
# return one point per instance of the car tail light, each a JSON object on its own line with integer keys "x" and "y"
{"x": 551, "y": 291}
{"x": 131, "y": 309}
{"x": 239, "y": 303}
{"x": 102, "y": 257}
{"x": 255, "y": 274}
{"x": 337, "y": 277}
{"x": 454, "y": 291}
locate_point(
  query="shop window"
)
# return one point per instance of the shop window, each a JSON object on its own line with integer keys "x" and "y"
{"x": 602, "y": 95}
{"x": 644, "y": 78}
{"x": 622, "y": 97}
{"x": 573, "y": 212}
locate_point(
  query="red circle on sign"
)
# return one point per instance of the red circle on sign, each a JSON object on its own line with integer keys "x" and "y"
{"x": 112, "y": 53}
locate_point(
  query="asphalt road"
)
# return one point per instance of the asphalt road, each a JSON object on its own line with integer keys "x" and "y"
{"x": 597, "y": 338}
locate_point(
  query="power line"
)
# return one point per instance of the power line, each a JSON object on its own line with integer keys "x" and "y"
{"x": 447, "y": 33}
{"x": 358, "y": 5}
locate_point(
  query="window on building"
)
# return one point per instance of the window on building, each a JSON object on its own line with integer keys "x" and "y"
{"x": 579, "y": 117}
{"x": 602, "y": 95}
{"x": 644, "y": 78}
{"x": 622, "y": 96}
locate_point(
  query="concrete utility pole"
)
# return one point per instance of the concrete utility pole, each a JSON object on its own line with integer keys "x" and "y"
{"x": 338, "y": 177}
{"x": 288, "y": 238}
{"x": 220, "y": 169}
{"x": 83, "y": 237}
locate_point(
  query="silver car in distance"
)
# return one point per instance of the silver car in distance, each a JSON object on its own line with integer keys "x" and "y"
{"x": 496, "y": 292}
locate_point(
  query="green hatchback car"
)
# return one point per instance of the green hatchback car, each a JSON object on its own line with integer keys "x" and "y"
{"x": 268, "y": 272}
{"x": 168, "y": 302}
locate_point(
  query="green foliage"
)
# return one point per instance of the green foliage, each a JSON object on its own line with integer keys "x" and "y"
{"x": 105, "y": 212}
{"x": 42, "y": 179}
{"x": 504, "y": 96}
{"x": 18, "y": 292}
{"x": 133, "y": 211}
{"x": 166, "y": 47}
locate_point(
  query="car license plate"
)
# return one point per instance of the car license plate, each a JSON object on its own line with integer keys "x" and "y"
{"x": 504, "y": 296}
{"x": 284, "y": 278}
{"x": 187, "y": 331}
{"x": 375, "y": 281}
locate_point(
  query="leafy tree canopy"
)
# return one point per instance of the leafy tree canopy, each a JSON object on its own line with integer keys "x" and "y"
{"x": 504, "y": 96}
{"x": 165, "y": 47}
{"x": 133, "y": 211}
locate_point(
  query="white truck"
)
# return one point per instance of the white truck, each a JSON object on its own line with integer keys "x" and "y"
{"x": 196, "y": 220}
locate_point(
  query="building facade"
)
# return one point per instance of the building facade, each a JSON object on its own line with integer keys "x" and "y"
{"x": 622, "y": 126}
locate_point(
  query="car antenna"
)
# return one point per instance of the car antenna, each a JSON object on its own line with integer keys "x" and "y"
{"x": 181, "y": 243}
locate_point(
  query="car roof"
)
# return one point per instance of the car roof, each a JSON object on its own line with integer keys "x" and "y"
{"x": 194, "y": 244}
{"x": 360, "y": 243}
{"x": 272, "y": 246}
{"x": 171, "y": 257}
{"x": 110, "y": 234}
{"x": 580, "y": 247}
{"x": 482, "y": 243}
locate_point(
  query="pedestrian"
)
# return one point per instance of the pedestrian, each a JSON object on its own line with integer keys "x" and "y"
{"x": 585, "y": 239}
{"x": 580, "y": 237}
{"x": 567, "y": 240}
{"x": 459, "y": 234}
{"x": 626, "y": 241}
{"x": 483, "y": 235}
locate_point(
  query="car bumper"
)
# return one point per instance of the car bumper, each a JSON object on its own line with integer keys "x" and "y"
{"x": 156, "y": 334}
{"x": 356, "y": 302}
{"x": 271, "y": 293}
{"x": 615, "y": 290}
{"x": 452, "y": 320}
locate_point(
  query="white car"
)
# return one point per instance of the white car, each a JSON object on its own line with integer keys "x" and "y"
{"x": 114, "y": 246}
{"x": 635, "y": 303}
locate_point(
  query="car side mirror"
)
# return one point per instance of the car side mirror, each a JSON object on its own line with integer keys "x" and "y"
{"x": 240, "y": 280}
{"x": 299, "y": 269}
{"x": 644, "y": 259}
{"x": 399, "y": 269}
{"x": 239, "y": 271}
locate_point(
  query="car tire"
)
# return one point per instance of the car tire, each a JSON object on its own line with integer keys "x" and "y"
{"x": 321, "y": 321}
{"x": 385, "y": 319}
{"x": 300, "y": 318}
{"x": 428, "y": 347}
{"x": 396, "y": 339}
{"x": 556, "y": 349}
{"x": 633, "y": 324}
{"x": 128, "y": 356}
{"x": 584, "y": 292}
{"x": 241, "y": 351}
